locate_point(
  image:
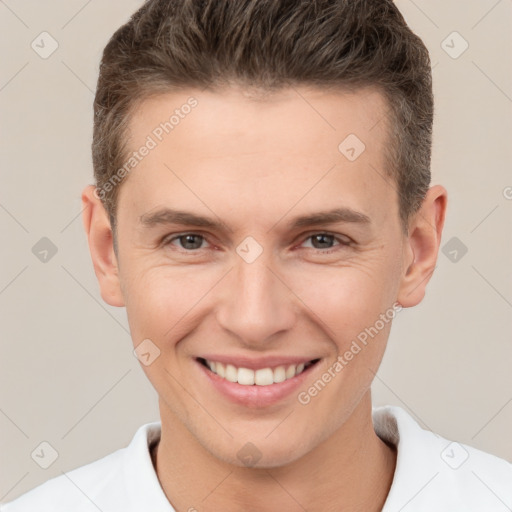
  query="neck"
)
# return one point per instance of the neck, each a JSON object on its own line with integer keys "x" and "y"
{"x": 352, "y": 470}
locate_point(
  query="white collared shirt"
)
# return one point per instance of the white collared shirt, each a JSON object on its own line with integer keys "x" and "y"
{"x": 432, "y": 474}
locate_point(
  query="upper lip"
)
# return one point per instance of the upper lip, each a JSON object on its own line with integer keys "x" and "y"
{"x": 257, "y": 363}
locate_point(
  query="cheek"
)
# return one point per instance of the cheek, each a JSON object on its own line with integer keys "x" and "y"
{"x": 346, "y": 300}
{"x": 161, "y": 300}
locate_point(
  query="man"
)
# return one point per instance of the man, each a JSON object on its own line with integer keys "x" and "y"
{"x": 263, "y": 210}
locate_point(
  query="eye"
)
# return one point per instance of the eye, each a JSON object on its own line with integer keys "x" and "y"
{"x": 323, "y": 242}
{"x": 186, "y": 241}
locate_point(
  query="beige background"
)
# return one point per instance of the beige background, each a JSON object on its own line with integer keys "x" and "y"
{"x": 67, "y": 371}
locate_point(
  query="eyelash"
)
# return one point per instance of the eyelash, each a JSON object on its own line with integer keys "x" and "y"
{"x": 341, "y": 243}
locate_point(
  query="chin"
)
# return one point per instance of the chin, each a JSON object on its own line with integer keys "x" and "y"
{"x": 262, "y": 454}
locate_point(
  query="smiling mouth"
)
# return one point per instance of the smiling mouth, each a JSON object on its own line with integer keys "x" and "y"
{"x": 259, "y": 377}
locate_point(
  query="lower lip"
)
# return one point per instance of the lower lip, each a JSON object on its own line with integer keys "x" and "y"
{"x": 255, "y": 396}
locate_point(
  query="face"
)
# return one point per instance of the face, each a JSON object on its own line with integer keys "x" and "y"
{"x": 251, "y": 247}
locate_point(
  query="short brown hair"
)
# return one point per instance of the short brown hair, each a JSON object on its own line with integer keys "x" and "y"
{"x": 269, "y": 44}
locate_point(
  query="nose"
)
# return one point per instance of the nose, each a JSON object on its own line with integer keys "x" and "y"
{"x": 257, "y": 303}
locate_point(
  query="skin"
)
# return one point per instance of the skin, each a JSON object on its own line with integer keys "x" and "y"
{"x": 254, "y": 163}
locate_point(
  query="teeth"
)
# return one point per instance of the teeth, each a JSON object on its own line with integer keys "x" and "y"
{"x": 261, "y": 377}
{"x": 279, "y": 374}
{"x": 290, "y": 371}
{"x": 231, "y": 373}
{"x": 220, "y": 370}
{"x": 245, "y": 376}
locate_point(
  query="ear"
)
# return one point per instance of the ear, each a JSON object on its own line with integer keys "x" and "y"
{"x": 422, "y": 246}
{"x": 99, "y": 234}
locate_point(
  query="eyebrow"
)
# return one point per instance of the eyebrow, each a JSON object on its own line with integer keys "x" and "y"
{"x": 166, "y": 216}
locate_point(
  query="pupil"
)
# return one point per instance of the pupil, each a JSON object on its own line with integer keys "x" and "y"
{"x": 189, "y": 239}
{"x": 319, "y": 241}
{"x": 322, "y": 238}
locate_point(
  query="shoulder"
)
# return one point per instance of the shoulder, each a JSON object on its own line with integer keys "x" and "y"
{"x": 75, "y": 490}
{"x": 434, "y": 473}
{"x": 98, "y": 485}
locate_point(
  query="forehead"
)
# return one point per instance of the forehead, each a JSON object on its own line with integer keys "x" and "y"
{"x": 236, "y": 143}
{"x": 303, "y": 113}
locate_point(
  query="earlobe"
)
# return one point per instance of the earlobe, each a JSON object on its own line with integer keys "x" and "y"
{"x": 422, "y": 246}
{"x": 99, "y": 235}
